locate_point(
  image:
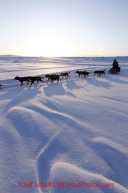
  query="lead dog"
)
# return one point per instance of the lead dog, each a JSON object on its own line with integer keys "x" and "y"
{"x": 22, "y": 79}
{"x": 0, "y": 86}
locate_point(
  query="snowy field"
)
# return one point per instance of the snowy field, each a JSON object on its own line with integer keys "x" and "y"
{"x": 73, "y": 132}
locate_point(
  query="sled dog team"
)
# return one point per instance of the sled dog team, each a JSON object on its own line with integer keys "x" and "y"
{"x": 53, "y": 77}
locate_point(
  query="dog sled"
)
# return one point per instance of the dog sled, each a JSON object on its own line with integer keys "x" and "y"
{"x": 114, "y": 70}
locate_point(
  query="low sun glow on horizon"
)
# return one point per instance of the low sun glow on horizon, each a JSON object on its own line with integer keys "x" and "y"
{"x": 50, "y": 44}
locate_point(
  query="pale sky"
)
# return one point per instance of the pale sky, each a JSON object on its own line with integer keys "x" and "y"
{"x": 64, "y": 27}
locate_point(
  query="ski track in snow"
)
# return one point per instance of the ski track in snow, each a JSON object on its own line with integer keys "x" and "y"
{"x": 74, "y": 131}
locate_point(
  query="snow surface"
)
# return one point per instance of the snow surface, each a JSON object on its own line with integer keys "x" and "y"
{"x": 74, "y": 131}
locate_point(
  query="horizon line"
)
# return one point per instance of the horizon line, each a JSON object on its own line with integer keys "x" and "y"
{"x": 11, "y": 55}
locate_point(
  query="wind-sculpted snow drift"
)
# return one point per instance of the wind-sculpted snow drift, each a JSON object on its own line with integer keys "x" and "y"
{"x": 74, "y": 131}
